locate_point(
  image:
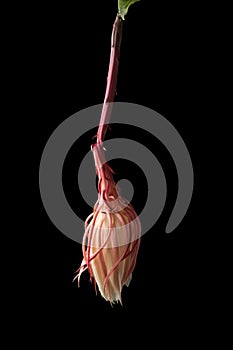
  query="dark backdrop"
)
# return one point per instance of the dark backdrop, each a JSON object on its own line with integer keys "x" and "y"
{"x": 160, "y": 67}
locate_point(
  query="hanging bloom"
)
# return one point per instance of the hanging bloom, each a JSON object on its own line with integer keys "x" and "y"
{"x": 112, "y": 236}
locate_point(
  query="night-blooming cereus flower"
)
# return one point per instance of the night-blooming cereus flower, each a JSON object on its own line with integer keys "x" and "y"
{"x": 112, "y": 236}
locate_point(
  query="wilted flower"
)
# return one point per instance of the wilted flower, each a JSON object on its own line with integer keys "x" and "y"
{"x": 112, "y": 236}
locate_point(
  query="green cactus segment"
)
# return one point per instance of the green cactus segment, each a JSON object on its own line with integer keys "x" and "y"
{"x": 123, "y": 6}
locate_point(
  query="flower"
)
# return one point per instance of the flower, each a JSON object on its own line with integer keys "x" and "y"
{"x": 112, "y": 236}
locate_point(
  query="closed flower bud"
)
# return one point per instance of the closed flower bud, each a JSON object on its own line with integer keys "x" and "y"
{"x": 112, "y": 236}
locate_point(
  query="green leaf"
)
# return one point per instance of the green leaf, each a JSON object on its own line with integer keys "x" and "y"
{"x": 123, "y": 6}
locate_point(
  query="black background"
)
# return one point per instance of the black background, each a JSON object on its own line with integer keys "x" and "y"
{"x": 161, "y": 67}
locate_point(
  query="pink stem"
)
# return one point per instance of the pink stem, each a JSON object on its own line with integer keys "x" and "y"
{"x": 112, "y": 79}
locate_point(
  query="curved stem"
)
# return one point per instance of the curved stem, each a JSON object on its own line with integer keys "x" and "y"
{"x": 111, "y": 79}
